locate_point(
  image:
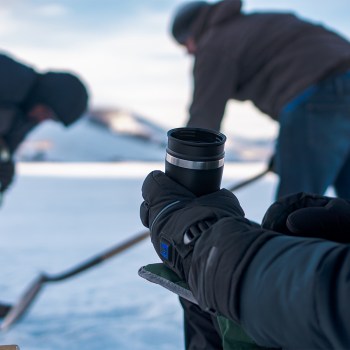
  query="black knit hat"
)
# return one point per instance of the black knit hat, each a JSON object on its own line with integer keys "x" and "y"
{"x": 183, "y": 19}
{"x": 64, "y": 93}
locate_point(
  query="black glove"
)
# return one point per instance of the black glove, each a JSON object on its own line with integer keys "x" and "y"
{"x": 310, "y": 215}
{"x": 177, "y": 218}
{"x": 7, "y": 167}
{"x": 7, "y": 172}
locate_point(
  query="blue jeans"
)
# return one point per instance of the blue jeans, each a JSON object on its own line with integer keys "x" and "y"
{"x": 313, "y": 147}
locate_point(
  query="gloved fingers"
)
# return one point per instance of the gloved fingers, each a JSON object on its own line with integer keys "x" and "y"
{"x": 158, "y": 187}
{"x": 330, "y": 222}
{"x": 144, "y": 214}
{"x": 309, "y": 222}
{"x": 161, "y": 195}
{"x": 275, "y": 218}
{"x": 339, "y": 206}
{"x": 222, "y": 199}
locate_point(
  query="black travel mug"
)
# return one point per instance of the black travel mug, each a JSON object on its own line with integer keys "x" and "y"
{"x": 195, "y": 159}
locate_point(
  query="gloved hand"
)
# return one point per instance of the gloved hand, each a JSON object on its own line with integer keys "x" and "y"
{"x": 7, "y": 172}
{"x": 177, "y": 218}
{"x": 310, "y": 215}
{"x": 7, "y": 167}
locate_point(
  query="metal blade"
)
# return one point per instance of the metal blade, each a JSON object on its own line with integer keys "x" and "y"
{"x": 25, "y": 301}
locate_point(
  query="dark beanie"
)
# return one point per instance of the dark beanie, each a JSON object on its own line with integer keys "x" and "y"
{"x": 184, "y": 18}
{"x": 64, "y": 93}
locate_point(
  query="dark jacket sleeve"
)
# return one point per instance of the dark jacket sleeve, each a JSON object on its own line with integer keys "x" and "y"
{"x": 214, "y": 78}
{"x": 285, "y": 291}
{"x": 16, "y": 81}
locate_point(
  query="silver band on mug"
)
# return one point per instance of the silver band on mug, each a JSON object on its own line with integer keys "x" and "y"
{"x": 194, "y": 165}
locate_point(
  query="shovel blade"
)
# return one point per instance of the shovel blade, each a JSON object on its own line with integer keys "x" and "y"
{"x": 19, "y": 309}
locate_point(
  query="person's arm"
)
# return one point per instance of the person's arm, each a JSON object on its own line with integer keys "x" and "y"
{"x": 213, "y": 78}
{"x": 295, "y": 294}
{"x": 17, "y": 79}
{"x": 288, "y": 292}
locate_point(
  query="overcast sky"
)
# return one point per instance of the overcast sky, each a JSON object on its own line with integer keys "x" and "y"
{"x": 122, "y": 48}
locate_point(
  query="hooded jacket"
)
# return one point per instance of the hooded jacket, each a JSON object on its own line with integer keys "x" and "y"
{"x": 22, "y": 88}
{"x": 267, "y": 58}
{"x": 16, "y": 82}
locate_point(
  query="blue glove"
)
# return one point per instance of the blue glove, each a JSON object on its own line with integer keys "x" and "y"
{"x": 177, "y": 218}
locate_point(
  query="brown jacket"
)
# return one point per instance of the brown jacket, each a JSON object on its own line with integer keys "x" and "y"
{"x": 267, "y": 58}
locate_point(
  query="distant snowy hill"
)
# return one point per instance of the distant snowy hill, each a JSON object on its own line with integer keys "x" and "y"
{"x": 107, "y": 135}
{"x": 101, "y": 135}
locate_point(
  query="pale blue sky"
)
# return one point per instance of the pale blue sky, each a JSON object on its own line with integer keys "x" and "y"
{"x": 122, "y": 47}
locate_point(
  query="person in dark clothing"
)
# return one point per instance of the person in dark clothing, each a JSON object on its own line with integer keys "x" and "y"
{"x": 286, "y": 282}
{"x": 296, "y": 72}
{"x": 27, "y": 98}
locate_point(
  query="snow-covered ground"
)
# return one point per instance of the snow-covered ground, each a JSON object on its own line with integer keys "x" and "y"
{"x": 59, "y": 214}
{"x": 116, "y": 135}
{"x": 108, "y": 135}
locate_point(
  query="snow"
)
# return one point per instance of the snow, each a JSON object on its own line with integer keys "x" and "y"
{"x": 118, "y": 135}
{"x": 127, "y": 137}
{"x": 60, "y": 214}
